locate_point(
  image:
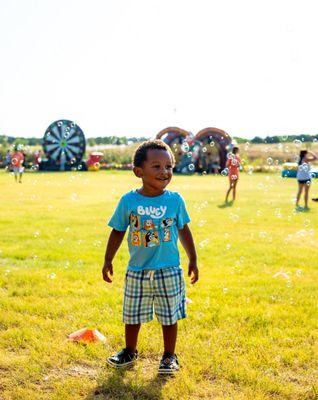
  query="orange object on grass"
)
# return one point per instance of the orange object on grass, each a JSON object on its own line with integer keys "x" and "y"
{"x": 87, "y": 335}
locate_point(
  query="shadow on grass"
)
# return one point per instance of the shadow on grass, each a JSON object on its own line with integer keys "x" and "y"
{"x": 226, "y": 204}
{"x": 116, "y": 387}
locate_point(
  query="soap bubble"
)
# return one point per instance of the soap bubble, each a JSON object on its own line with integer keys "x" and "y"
{"x": 191, "y": 167}
{"x": 212, "y": 144}
{"x": 250, "y": 170}
{"x": 97, "y": 165}
{"x": 225, "y": 172}
{"x": 60, "y": 123}
{"x": 203, "y": 243}
{"x": 297, "y": 142}
{"x": 185, "y": 147}
{"x": 285, "y": 138}
{"x": 36, "y": 234}
{"x": 204, "y": 149}
{"x": 269, "y": 161}
{"x": 225, "y": 290}
{"x": 51, "y": 276}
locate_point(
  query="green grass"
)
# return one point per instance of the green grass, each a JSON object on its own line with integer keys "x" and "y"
{"x": 248, "y": 335}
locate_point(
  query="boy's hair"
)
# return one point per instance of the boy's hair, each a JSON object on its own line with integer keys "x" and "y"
{"x": 141, "y": 152}
{"x": 235, "y": 150}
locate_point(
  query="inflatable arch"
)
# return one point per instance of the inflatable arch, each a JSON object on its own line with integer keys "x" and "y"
{"x": 204, "y": 152}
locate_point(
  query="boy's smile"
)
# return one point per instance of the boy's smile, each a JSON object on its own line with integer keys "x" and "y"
{"x": 156, "y": 172}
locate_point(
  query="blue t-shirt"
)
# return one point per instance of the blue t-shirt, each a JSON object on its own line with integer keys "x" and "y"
{"x": 153, "y": 228}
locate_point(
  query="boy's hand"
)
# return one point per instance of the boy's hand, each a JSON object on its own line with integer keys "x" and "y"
{"x": 194, "y": 271}
{"x": 107, "y": 270}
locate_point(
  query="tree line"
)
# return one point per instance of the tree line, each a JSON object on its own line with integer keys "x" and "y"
{"x": 6, "y": 141}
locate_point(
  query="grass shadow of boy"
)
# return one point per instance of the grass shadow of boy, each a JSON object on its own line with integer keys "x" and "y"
{"x": 117, "y": 386}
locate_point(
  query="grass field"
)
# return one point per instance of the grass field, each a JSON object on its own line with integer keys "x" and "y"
{"x": 251, "y": 331}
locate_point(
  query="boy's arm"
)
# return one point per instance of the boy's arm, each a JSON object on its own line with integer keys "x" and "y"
{"x": 187, "y": 242}
{"x": 114, "y": 241}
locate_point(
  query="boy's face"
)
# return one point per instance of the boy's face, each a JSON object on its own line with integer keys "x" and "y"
{"x": 156, "y": 171}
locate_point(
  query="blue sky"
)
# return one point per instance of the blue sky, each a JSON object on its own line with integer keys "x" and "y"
{"x": 132, "y": 68}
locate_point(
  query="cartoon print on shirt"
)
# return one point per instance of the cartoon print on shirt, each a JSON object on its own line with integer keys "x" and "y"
{"x": 135, "y": 223}
{"x": 135, "y": 238}
{"x": 165, "y": 223}
{"x": 149, "y": 224}
{"x": 150, "y": 239}
{"x": 166, "y": 235}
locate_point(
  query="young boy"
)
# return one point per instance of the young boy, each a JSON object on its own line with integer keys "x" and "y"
{"x": 154, "y": 278}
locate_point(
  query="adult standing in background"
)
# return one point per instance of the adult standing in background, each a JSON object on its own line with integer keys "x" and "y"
{"x": 304, "y": 176}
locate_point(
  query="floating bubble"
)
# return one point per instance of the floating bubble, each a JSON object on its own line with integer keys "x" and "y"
{"x": 74, "y": 196}
{"x": 97, "y": 165}
{"x": 204, "y": 172}
{"x": 246, "y": 146}
{"x": 225, "y": 172}
{"x": 191, "y": 167}
{"x": 212, "y": 144}
{"x": 204, "y": 149}
{"x": 201, "y": 223}
{"x": 269, "y": 161}
{"x": 297, "y": 142}
{"x": 285, "y": 138}
{"x": 51, "y": 276}
{"x": 203, "y": 243}
{"x": 79, "y": 167}
{"x": 228, "y": 246}
{"x": 36, "y": 234}
{"x": 234, "y": 177}
{"x": 189, "y": 155}
{"x": 225, "y": 290}
{"x": 250, "y": 170}
{"x": 60, "y": 123}
{"x": 298, "y": 272}
{"x": 263, "y": 234}
{"x": 234, "y": 217}
{"x": 185, "y": 147}
{"x": 281, "y": 273}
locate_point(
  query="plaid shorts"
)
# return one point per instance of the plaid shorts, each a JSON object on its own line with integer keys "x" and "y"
{"x": 162, "y": 290}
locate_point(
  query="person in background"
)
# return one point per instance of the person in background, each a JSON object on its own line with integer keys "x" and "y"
{"x": 304, "y": 176}
{"x": 233, "y": 164}
{"x": 8, "y": 160}
{"x": 17, "y": 164}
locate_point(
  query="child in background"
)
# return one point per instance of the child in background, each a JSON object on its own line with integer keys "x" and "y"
{"x": 233, "y": 164}
{"x": 304, "y": 176}
{"x": 154, "y": 279}
{"x": 17, "y": 161}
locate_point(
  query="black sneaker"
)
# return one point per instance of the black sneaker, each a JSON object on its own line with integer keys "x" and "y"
{"x": 315, "y": 199}
{"x": 122, "y": 358}
{"x": 169, "y": 364}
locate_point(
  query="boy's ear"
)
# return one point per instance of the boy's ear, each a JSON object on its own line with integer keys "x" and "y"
{"x": 138, "y": 172}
